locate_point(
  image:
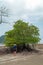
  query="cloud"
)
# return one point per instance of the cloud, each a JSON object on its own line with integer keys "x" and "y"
{"x": 32, "y": 4}
{"x": 28, "y": 10}
{"x": 18, "y": 8}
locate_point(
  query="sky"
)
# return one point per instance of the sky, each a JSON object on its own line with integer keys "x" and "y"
{"x": 28, "y": 10}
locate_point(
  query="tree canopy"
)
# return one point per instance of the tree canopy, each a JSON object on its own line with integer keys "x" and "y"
{"x": 22, "y": 33}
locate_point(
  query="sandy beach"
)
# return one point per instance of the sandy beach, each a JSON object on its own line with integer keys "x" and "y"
{"x": 22, "y": 59}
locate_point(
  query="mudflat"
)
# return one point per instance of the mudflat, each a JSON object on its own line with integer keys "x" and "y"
{"x": 22, "y": 59}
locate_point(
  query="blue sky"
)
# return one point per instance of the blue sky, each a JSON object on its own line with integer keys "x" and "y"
{"x": 28, "y": 10}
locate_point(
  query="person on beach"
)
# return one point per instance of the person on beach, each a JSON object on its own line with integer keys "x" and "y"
{"x": 14, "y": 49}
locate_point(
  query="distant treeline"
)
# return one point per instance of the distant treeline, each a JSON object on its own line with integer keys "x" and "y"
{"x": 2, "y": 38}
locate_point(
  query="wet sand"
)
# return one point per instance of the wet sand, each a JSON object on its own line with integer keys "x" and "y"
{"x": 22, "y": 59}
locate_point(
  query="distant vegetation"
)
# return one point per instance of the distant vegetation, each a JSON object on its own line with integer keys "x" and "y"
{"x": 2, "y": 39}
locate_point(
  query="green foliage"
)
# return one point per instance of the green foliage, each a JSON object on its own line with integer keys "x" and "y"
{"x": 9, "y": 38}
{"x": 20, "y": 29}
{"x": 22, "y": 33}
{"x": 34, "y": 33}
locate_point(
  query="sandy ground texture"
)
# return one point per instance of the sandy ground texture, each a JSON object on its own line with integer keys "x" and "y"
{"x": 22, "y": 59}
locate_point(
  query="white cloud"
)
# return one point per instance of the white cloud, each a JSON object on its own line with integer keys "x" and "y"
{"x": 32, "y": 4}
{"x": 27, "y": 4}
{"x": 10, "y": 1}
